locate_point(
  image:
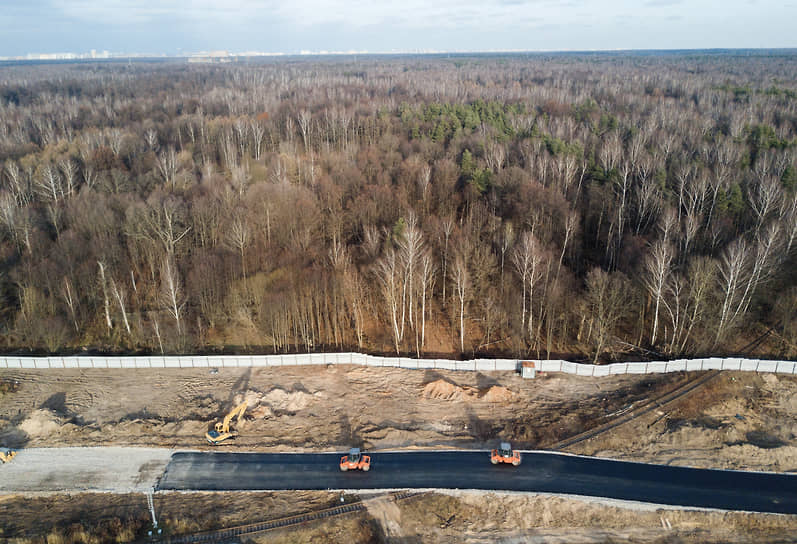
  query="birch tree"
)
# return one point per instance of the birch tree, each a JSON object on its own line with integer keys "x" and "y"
{"x": 388, "y": 273}
{"x": 106, "y": 303}
{"x": 461, "y": 279}
{"x": 657, "y": 272}
{"x": 171, "y": 295}
{"x": 120, "y": 295}
{"x": 607, "y": 296}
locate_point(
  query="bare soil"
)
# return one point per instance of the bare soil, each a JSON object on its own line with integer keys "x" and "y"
{"x": 736, "y": 420}
{"x": 109, "y": 517}
{"x": 469, "y": 517}
{"x": 310, "y": 408}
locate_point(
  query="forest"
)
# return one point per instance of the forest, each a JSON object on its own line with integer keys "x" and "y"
{"x": 593, "y": 206}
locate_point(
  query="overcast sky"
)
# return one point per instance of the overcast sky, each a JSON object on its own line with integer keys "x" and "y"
{"x": 290, "y": 26}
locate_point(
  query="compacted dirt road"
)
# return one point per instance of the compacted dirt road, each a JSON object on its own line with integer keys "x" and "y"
{"x": 109, "y": 469}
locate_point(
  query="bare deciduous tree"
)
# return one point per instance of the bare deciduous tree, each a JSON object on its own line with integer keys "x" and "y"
{"x": 171, "y": 295}
{"x": 657, "y": 268}
{"x": 461, "y": 278}
{"x": 607, "y": 297}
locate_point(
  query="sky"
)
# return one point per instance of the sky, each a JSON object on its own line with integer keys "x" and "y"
{"x": 176, "y": 27}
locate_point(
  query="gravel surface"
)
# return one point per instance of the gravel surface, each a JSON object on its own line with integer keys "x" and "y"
{"x": 115, "y": 470}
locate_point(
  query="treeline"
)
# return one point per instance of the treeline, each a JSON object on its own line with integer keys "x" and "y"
{"x": 523, "y": 205}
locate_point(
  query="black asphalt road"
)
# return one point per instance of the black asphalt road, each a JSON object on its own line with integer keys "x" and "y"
{"x": 539, "y": 472}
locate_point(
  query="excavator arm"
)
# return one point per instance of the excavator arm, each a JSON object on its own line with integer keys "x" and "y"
{"x": 222, "y": 430}
{"x": 238, "y": 411}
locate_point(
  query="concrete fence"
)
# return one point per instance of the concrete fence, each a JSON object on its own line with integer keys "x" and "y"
{"x": 483, "y": 365}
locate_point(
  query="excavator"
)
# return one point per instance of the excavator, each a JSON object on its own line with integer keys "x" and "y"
{"x": 505, "y": 454}
{"x": 355, "y": 460}
{"x": 222, "y": 431}
{"x": 6, "y": 455}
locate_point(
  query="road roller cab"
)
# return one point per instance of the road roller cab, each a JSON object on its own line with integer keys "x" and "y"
{"x": 505, "y": 454}
{"x": 355, "y": 460}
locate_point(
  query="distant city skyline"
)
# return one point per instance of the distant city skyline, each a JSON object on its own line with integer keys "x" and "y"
{"x": 174, "y": 27}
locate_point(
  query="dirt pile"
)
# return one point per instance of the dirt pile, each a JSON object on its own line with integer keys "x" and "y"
{"x": 40, "y": 423}
{"x": 264, "y": 405}
{"x": 288, "y": 401}
{"x": 445, "y": 390}
{"x": 497, "y": 393}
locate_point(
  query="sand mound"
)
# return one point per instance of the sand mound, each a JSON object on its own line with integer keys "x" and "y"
{"x": 444, "y": 390}
{"x": 261, "y": 412}
{"x": 252, "y": 398}
{"x": 497, "y": 393}
{"x": 279, "y": 399}
{"x": 40, "y": 423}
{"x": 261, "y": 405}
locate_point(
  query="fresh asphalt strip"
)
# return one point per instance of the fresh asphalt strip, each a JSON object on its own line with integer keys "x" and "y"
{"x": 540, "y": 472}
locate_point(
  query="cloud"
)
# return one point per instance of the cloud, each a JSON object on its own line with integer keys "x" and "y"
{"x": 379, "y": 25}
{"x": 307, "y": 13}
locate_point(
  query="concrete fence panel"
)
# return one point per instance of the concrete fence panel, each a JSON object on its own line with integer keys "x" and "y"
{"x": 171, "y": 362}
{"x": 70, "y": 362}
{"x": 618, "y": 368}
{"x": 658, "y": 368}
{"x": 549, "y": 366}
{"x": 767, "y": 366}
{"x": 128, "y": 363}
{"x": 694, "y": 365}
{"x": 506, "y": 364}
{"x": 569, "y": 368}
{"x": 749, "y": 365}
{"x": 480, "y": 365}
{"x": 714, "y": 363}
{"x": 725, "y": 364}
{"x": 636, "y": 368}
{"x": 677, "y": 366}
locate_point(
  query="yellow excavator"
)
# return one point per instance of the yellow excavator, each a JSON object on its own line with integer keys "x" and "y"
{"x": 222, "y": 430}
{"x": 6, "y": 455}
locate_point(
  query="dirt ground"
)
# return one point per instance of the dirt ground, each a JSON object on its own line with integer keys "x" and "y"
{"x": 450, "y": 517}
{"x": 738, "y": 420}
{"x": 309, "y": 408}
{"x": 111, "y": 469}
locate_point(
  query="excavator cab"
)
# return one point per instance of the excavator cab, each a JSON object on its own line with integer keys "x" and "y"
{"x": 221, "y": 430}
{"x": 505, "y": 454}
{"x": 355, "y": 461}
{"x": 6, "y": 455}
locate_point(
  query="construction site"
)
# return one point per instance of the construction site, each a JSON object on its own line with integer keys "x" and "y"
{"x": 116, "y": 430}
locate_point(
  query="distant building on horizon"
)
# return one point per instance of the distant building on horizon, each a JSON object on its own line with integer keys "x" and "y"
{"x": 211, "y": 57}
